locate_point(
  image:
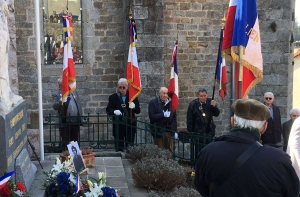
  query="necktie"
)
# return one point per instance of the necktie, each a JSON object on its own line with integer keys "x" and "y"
{"x": 123, "y": 98}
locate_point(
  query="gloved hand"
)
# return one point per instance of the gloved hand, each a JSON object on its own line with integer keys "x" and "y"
{"x": 117, "y": 112}
{"x": 167, "y": 114}
{"x": 132, "y": 105}
{"x": 65, "y": 100}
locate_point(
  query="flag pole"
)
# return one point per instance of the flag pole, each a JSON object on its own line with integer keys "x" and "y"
{"x": 130, "y": 41}
{"x": 240, "y": 83}
{"x": 39, "y": 70}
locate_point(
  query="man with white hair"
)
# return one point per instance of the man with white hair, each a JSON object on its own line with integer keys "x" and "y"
{"x": 272, "y": 135}
{"x": 238, "y": 165}
{"x": 118, "y": 104}
{"x": 286, "y": 126}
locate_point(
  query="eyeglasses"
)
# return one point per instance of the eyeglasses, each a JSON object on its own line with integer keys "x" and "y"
{"x": 122, "y": 87}
{"x": 268, "y": 98}
{"x": 295, "y": 115}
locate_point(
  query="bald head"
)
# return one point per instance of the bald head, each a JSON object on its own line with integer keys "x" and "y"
{"x": 163, "y": 94}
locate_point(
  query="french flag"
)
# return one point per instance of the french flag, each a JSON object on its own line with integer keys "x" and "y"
{"x": 221, "y": 70}
{"x": 173, "y": 89}
{"x": 77, "y": 189}
{"x": 68, "y": 75}
{"x": 242, "y": 29}
{"x": 133, "y": 71}
{"x": 5, "y": 178}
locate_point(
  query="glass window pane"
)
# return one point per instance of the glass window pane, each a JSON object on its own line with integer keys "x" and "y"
{"x": 53, "y": 30}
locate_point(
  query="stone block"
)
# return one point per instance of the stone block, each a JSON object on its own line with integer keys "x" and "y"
{"x": 25, "y": 170}
{"x": 13, "y": 135}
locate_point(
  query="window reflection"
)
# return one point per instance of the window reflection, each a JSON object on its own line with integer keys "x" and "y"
{"x": 53, "y": 30}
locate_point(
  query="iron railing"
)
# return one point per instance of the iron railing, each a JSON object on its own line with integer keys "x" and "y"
{"x": 96, "y": 132}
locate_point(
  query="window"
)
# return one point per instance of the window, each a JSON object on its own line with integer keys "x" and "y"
{"x": 53, "y": 30}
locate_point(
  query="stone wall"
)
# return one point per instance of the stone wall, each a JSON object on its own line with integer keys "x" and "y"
{"x": 195, "y": 23}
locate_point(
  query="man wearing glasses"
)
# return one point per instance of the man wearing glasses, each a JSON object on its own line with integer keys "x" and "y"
{"x": 286, "y": 126}
{"x": 272, "y": 135}
{"x": 118, "y": 104}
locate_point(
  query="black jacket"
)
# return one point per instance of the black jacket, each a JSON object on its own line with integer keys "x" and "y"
{"x": 268, "y": 173}
{"x": 115, "y": 103}
{"x": 156, "y": 114}
{"x": 286, "y": 129}
{"x": 198, "y": 123}
{"x": 272, "y": 135}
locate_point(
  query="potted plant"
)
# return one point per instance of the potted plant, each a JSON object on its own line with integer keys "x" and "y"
{"x": 87, "y": 154}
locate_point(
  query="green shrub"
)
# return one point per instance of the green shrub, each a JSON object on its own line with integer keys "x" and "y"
{"x": 135, "y": 153}
{"x": 177, "y": 192}
{"x": 158, "y": 174}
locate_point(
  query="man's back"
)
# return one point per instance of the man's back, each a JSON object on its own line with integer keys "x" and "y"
{"x": 267, "y": 173}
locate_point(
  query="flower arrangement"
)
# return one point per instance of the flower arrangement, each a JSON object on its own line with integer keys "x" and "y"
{"x": 61, "y": 181}
{"x": 9, "y": 189}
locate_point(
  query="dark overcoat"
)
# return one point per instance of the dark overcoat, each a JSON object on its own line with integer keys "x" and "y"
{"x": 272, "y": 135}
{"x": 286, "y": 129}
{"x": 267, "y": 173}
{"x": 156, "y": 115}
{"x": 195, "y": 120}
{"x": 115, "y": 103}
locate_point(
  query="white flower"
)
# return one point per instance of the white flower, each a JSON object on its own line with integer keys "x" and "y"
{"x": 95, "y": 191}
{"x": 101, "y": 176}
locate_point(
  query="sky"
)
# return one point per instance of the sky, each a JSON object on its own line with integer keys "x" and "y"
{"x": 297, "y": 11}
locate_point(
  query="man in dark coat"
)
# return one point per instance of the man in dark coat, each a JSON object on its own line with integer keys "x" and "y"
{"x": 266, "y": 171}
{"x": 272, "y": 136}
{"x": 68, "y": 112}
{"x": 286, "y": 126}
{"x": 118, "y": 104}
{"x": 161, "y": 114}
{"x": 199, "y": 119}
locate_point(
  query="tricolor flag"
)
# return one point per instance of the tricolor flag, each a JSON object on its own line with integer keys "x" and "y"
{"x": 242, "y": 29}
{"x": 173, "y": 89}
{"x": 133, "y": 72}
{"x": 77, "y": 189}
{"x": 68, "y": 75}
{"x": 5, "y": 178}
{"x": 221, "y": 70}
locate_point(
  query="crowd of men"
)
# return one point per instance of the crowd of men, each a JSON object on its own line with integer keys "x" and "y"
{"x": 248, "y": 161}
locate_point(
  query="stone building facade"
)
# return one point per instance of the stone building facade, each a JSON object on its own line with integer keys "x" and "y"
{"x": 195, "y": 23}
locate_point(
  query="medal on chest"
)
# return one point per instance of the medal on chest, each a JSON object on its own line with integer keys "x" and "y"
{"x": 201, "y": 109}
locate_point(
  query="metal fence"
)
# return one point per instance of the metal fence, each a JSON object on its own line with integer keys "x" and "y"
{"x": 96, "y": 132}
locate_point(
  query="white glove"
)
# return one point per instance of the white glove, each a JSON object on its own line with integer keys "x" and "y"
{"x": 132, "y": 105}
{"x": 117, "y": 112}
{"x": 167, "y": 114}
{"x": 176, "y": 135}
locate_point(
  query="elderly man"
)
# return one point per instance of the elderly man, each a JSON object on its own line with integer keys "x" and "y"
{"x": 286, "y": 126}
{"x": 118, "y": 104}
{"x": 162, "y": 115}
{"x": 272, "y": 135}
{"x": 238, "y": 165}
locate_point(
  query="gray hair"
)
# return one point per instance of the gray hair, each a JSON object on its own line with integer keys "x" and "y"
{"x": 59, "y": 80}
{"x": 202, "y": 90}
{"x": 294, "y": 110}
{"x": 161, "y": 88}
{"x": 123, "y": 80}
{"x": 252, "y": 124}
{"x": 269, "y": 93}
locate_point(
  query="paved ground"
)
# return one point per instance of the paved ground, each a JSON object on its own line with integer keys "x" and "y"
{"x": 117, "y": 171}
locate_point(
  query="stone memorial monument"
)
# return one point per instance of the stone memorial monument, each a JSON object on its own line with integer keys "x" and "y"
{"x": 13, "y": 115}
